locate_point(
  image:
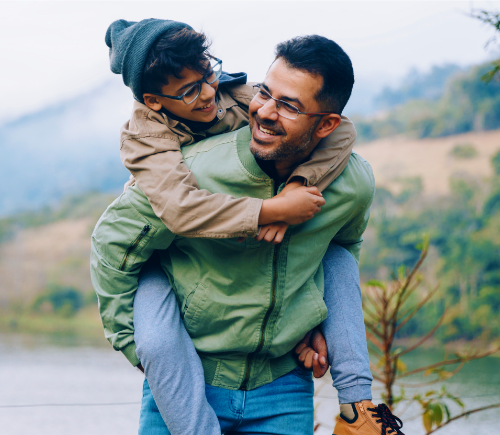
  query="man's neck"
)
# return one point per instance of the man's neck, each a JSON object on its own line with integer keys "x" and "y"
{"x": 279, "y": 171}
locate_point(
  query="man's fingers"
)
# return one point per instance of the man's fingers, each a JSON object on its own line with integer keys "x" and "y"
{"x": 318, "y": 343}
{"x": 300, "y": 347}
{"x": 308, "y": 361}
{"x": 319, "y": 370}
{"x": 305, "y": 354}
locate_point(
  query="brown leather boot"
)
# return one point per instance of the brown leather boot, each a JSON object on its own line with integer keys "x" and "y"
{"x": 369, "y": 420}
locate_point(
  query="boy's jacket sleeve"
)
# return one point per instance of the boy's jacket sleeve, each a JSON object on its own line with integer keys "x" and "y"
{"x": 152, "y": 153}
{"x": 330, "y": 157}
{"x": 124, "y": 239}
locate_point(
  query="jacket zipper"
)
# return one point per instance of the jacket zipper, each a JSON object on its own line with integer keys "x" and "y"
{"x": 138, "y": 239}
{"x": 266, "y": 318}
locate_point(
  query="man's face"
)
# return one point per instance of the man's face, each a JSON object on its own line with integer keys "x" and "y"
{"x": 275, "y": 137}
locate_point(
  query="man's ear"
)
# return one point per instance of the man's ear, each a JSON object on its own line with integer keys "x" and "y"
{"x": 152, "y": 102}
{"x": 327, "y": 124}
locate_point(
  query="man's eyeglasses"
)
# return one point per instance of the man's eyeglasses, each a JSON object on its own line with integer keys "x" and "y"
{"x": 284, "y": 109}
{"x": 193, "y": 92}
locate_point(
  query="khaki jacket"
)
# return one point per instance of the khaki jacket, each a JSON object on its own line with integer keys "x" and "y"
{"x": 149, "y": 136}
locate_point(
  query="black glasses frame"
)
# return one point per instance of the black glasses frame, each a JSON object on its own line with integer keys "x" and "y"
{"x": 280, "y": 103}
{"x": 198, "y": 83}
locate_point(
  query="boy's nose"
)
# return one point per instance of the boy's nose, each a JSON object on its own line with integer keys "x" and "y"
{"x": 207, "y": 92}
{"x": 269, "y": 111}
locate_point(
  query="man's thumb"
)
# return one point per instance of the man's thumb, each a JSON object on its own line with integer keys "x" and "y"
{"x": 319, "y": 345}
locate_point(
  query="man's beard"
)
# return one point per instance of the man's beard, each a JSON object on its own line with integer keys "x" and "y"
{"x": 297, "y": 147}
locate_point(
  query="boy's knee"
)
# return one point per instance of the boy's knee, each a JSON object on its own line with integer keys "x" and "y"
{"x": 338, "y": 255}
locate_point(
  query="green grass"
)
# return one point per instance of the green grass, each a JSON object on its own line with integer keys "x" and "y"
{"x": 86, "y": 324}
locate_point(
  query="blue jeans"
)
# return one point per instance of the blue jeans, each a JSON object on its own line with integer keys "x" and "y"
{"x": 284, "y": 407}
{"x": 173, "y": 368}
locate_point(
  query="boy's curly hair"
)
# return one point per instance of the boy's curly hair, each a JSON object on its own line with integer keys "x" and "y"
{"x": 173, "y": 52}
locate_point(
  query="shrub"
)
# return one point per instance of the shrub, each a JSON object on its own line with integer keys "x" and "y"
{"x": 464, "y": 151}
{"x": 65, "y": 301}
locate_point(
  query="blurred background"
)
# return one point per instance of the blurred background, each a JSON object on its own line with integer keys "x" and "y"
{"x": 426, "y": 105}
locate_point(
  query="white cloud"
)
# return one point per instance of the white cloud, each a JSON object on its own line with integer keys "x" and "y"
{"x": 55, "y": 50}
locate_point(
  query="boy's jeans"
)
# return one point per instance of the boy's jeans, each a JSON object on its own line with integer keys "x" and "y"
{"x": 174, "y": 371}
{"x": 285, "y": 406}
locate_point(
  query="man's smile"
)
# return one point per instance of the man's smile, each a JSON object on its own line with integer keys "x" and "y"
{"x": 264, "y": 133}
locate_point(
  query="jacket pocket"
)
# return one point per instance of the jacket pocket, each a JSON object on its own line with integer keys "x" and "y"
{"x": 193, "y": 308}
{"x": 122, "y": 233}
{"x": 317, "y": 297}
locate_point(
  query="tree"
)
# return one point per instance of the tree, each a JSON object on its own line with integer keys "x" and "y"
{"x": 388, "y": 308}
{"x": 492, "y": 19}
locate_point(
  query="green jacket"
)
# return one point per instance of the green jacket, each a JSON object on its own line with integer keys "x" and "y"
{"x": 245, "y": 305}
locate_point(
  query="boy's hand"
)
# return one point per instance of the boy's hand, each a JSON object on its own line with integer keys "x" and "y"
{"x": 302, "y": 204}
{"x": 312, "y": 352}
{"x": 272, "y": 233}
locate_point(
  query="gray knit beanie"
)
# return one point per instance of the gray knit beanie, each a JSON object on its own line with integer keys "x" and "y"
{"x": 129, "y": 43}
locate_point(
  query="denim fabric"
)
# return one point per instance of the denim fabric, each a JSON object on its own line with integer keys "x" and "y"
{"x": 344, "y": 327}
{"x": 169, "y": 358}
{"x": 283, "y": 407}
{"x": 174, "y": 371}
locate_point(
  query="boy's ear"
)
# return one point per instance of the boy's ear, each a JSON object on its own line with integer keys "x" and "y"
{"x": 152, "y": 102}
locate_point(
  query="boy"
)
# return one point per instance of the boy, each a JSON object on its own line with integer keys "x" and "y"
{"x": 150, "y": 134}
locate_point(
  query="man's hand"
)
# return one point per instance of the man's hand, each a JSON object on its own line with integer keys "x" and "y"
{"x": 312, "y": 352}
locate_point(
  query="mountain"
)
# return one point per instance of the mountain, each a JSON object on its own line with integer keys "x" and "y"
{"x": 466, "y": 103}
{"x": 67, "y": 149}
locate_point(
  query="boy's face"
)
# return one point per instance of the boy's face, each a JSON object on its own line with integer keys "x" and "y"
{"x": 203, "y": 109}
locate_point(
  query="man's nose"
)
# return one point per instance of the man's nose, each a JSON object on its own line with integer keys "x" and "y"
{"x": 207, "y": 92}
{"x": 269, "y": 111}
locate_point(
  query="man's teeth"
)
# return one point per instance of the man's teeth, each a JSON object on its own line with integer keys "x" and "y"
{"x": 205, "y": 107}
{"x": 265, "y": 130}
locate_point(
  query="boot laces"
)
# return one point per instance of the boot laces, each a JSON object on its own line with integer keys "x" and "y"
{"x": 390, "y": 423}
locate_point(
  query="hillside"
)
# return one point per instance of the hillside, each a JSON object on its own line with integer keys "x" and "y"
{"x": 56, "y": 250}
{"x": 396, "y": 159}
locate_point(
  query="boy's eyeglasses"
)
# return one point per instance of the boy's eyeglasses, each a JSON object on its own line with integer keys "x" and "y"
{"x": 284, "y": 109}
{"x": 193, "y": 92}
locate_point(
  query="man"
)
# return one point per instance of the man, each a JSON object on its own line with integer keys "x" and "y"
{"x": 247, "y": 306}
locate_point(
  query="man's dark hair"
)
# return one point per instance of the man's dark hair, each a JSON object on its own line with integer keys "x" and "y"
{"x": 321, "y": 56}
{"x": 173, "y": 52}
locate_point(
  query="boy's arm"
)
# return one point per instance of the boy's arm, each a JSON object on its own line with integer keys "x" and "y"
{"x": 123, "y": 240}
{"x": 329, "y": 158}
{"x": 160, "y": 171}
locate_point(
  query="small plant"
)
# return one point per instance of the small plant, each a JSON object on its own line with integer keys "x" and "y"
{"x": 388, "y": 308}
{"x": 464, "y": 151}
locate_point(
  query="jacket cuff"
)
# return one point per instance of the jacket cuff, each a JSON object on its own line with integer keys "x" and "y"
{"x": 254, "y": 208}
{"x": 129, "y": 352}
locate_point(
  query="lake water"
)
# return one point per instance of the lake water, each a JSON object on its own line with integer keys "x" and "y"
{"x": 101, "y": 392}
